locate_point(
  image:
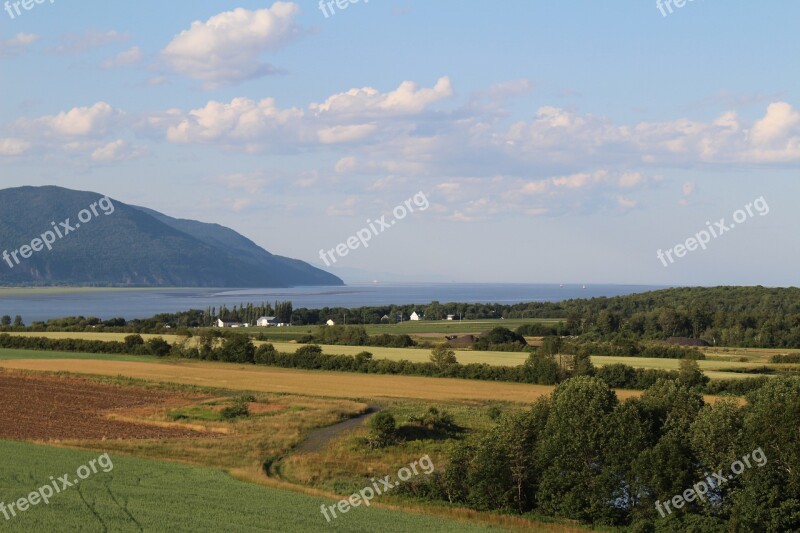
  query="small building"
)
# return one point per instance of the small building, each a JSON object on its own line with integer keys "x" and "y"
{"x": 227, "y": 323}
{"x": 330, "y": 322}
{"x": 385, "y": 318}
{"x": 266, "y": 321}
{"x": 451, "y": 317}
{"x": 415, "y": 316}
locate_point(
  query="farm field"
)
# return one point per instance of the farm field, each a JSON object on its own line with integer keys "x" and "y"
{"x": 279, "y": 380}
{"x": 719, "y": 359}
{"x": 78, "y": 409}
{"x": 140, "y": 494}
{"x": 7, "y": 353}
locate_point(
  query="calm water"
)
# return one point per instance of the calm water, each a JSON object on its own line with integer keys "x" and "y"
{"x": 146, "y": 303}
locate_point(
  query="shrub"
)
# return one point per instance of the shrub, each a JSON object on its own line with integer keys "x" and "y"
{"x": 158, "y": 346}
{"x": 237, "y": 409}
{"x": 383, "y": 430}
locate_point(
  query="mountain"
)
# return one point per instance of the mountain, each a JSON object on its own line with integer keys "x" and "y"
{"x": 107, "y": 242}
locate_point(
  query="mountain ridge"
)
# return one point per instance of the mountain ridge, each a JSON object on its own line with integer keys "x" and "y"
{"x": 127, "y": 245}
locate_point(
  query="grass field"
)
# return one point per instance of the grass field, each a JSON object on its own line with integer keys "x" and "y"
{"x": 9, "y": 354}
{"x": 143, "y": 495}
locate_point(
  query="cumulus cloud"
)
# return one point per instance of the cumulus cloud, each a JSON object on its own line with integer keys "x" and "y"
{"x": 242, "y": 121}
{"x": 344, "y": 134}
{"x": 407, "y": 99}
{"x": 128, "y": 57}
{"x": 227, "y": 48}
{"x": 11, "y": 147}
{"x": 77, "y": 122}
{"x": 780, "y": 119}
{"x": 118, "y": 150}
{"x": 349, "y": 117}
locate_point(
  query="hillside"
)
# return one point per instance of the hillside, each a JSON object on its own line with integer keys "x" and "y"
{"x": 132, "y": 246}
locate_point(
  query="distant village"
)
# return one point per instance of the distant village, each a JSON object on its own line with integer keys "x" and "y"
{"x": 271, "y": 321}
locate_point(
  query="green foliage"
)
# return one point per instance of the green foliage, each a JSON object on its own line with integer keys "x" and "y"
{"x": 238, "y": 409}
{"x": 443, "y": 357}
{"x": 383, "y": 430}
{"x": 499, "y": 338}
{"x": 237, "y": 349}
{"x": 356, "y": 336}
{"x": 435, "y": 420}
{"x": 158, "y": 347}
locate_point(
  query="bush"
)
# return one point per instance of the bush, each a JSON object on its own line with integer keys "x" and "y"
{"x": 500, "y": 338}
{"x": 238, "y": 409}
{"x": 264, "y": 355}
{"x": 537, "y": 330}
{"x": 435, "y": 420}
{"x": 383, "y": 430}
{"x": 158, "y": 347}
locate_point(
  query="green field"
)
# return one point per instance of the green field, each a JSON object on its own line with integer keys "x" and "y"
{"x": 143, "y": 495}
{"x": 8, "y": 354}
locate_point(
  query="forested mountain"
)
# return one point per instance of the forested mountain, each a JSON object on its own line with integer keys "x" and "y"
{"x": 112, "y": 243}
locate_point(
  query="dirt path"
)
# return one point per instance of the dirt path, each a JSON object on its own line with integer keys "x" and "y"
{"x": 318, "y": 438}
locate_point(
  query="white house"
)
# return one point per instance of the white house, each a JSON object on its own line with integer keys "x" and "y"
{"x": 227, "y": 323}
{"x": 266, "y": 321}
{"x": 330, "y": 322}
{"x": 414, "y": 316}
{"x": 451, "y": 317}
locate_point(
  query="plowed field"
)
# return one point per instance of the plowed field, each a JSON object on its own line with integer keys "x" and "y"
{"x": 46, "y": 408}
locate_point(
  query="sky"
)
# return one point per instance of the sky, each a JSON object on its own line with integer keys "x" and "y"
{"x": 520, "y": 141}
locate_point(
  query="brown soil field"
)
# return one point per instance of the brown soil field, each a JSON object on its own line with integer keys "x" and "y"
{"x": 50, "y": 408}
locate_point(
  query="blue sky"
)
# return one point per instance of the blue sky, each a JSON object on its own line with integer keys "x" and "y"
{"x": 554, "y": 141}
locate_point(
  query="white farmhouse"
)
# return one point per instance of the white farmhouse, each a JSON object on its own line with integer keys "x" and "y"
{"x": 266, "y": 321}
{"x": 415, "y": 316}
{"x": 330, "y": 322}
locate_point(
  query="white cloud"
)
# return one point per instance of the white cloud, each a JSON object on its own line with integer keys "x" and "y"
{"x": 77, "y": 122}
{"x": 779, "y": 121}
{"x": 226, "y": 48}
{"x": 344, "y": 134}
{"x": 407, "y": 99}
{"x": 13, "y": 146}
{"x": 128, "y": 57}
{"x": 346, "y": 165}
{"x": 116, "y": 151}
{"x": 242, "y": 121}
{"x": 262, "y": 125}
{"x": 18, "y": 44}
